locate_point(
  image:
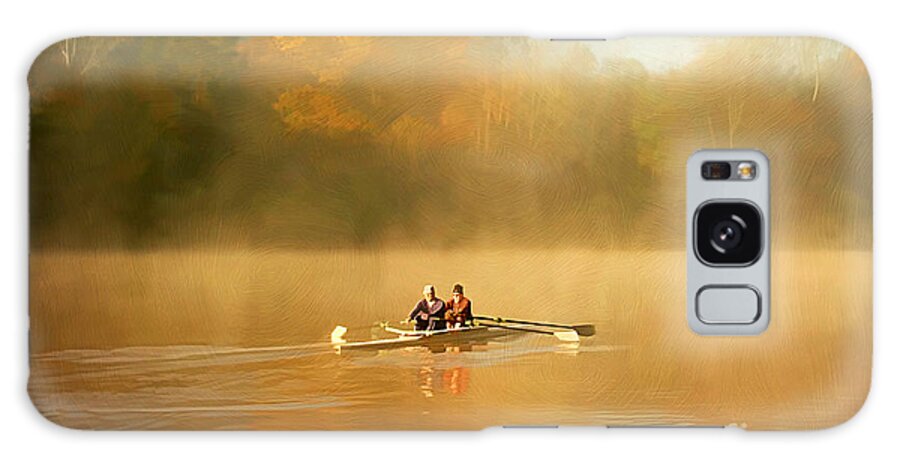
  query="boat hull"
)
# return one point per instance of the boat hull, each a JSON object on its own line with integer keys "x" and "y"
{"x": 435, "y": 340}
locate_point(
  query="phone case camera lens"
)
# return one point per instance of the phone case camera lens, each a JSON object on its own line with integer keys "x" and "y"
{"x": 728, "y": 233}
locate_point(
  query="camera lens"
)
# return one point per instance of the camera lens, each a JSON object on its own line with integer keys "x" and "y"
{"x": 728, "y": 233}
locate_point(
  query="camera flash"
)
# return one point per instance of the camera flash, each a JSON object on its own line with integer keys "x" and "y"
{"x": 746, "y": 170}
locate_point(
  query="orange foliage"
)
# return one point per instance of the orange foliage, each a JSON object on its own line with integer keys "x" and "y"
{"x": 308, "y": 108}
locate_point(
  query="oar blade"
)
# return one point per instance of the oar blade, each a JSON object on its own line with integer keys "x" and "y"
{"x": 337, "y": 335}
{"x": 585, "y": 330}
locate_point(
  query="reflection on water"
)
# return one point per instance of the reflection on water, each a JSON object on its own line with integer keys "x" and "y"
{"x": 426, "y": 381}
{"x": 456, "y": 380}
{"x": 305, "y": 385}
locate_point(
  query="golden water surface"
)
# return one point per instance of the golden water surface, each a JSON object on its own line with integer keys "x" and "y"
{"x": 240, "y": 340}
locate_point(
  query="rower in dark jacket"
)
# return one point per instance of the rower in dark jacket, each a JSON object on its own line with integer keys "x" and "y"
{"x": 429, "y": 313}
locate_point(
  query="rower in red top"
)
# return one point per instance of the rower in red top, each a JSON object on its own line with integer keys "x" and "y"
{"x": 459, "y": 308}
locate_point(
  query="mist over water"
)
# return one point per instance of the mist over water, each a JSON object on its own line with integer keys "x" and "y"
{"x": 232, "y": 341}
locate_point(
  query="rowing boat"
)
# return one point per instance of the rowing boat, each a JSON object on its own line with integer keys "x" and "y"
{"x": 485, "y": 329}
{"x": 434, "y": 339}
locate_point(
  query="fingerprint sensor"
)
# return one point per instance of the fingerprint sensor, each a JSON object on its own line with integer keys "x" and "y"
{"x": 728, "y": 304}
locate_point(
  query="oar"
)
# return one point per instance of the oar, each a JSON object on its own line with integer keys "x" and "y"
{"x": 585, "y": 330}
{"x": 564, "y": 335}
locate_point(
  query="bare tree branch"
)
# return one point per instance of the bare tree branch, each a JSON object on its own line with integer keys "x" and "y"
{"x": 64, "y": 49}
{"x": 816, "y": 89}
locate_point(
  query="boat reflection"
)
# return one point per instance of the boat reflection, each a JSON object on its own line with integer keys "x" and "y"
{"x": 456, "y": 380}
{"x": 426, "y": 381}
{"x": 453, "y": 380}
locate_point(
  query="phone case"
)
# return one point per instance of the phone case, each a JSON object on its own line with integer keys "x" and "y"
{"x": 220, "y": 227}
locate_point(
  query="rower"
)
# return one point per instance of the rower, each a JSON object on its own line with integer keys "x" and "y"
{"x": 429, "y": 312}
{"x": 459, "y": 308}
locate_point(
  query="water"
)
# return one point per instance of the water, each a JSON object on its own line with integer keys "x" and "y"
{"x": 194, "y": 340}
{"x": 310, "y": 386}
